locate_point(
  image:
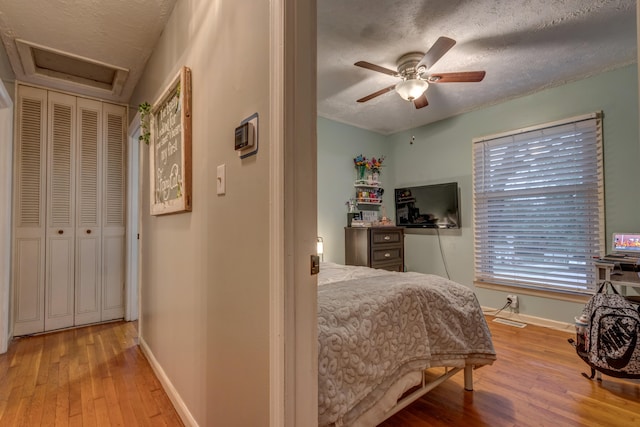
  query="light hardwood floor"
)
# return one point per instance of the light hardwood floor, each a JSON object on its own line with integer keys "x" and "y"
{"x": 97, "y": 376}
{"x": 92, "y": 376}
{"x": 536, "y": 381}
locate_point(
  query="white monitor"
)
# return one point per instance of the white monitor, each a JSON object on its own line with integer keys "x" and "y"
{"x": 625, "y": 243}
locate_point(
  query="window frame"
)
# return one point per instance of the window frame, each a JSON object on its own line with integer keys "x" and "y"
{"x": 484, "y": 276}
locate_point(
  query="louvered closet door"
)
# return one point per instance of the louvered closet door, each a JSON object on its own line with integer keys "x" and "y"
{"x": 113, "y": 227}
{"x": 29, "y": 211}
{"x": 88, "y": 280}
{"x": 60, "y": 250}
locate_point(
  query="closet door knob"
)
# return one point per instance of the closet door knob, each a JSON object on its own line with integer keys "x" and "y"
{"x": 60, "y": 231}
{"x": 88, "y": 231}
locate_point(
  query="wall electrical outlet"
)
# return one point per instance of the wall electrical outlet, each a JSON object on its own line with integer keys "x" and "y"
{"x": 513, "y": 300}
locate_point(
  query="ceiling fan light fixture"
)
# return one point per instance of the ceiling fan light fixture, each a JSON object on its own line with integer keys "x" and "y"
{"x": 411, "y": 89}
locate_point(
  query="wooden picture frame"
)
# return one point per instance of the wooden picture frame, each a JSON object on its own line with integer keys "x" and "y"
{"x": 170, "y": 147}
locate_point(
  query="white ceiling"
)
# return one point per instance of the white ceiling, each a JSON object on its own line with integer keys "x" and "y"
{"x": 523, "y": 45}
{"x": 118, "y": 33}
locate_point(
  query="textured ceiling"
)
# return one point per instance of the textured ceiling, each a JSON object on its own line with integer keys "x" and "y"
{"x": 523, "y": 45}
{"x": 120, "y": 33}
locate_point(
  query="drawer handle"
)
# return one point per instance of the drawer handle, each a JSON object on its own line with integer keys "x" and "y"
{"x": 387, "y": 237}
{"x": 60, "y": 232}
{"x": 387, "y": 255}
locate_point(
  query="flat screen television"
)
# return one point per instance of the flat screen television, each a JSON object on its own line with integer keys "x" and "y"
{"x": 428, "y": 206}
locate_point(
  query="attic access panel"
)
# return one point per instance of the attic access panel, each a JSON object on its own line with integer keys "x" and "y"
{"x": 41, "y": 61}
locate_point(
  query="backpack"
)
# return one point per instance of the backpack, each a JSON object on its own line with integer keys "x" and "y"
{"x": 608, "y": 341}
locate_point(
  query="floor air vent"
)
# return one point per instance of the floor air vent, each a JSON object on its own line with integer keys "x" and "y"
{"x": 509, "y": 322}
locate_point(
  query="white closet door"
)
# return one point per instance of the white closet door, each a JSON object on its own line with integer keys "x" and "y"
{"x": 88, "y": 280}
{"x": 29, "y": 211}
{"x": 60, "y": 250}
{"x": 113, "y": 227}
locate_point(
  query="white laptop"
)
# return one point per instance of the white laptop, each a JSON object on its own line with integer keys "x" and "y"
{"x": 625, "y": 245}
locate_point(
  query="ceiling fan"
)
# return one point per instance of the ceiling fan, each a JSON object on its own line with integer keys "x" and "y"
{"x": 413, "y": 69}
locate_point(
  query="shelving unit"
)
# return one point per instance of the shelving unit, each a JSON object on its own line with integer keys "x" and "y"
{"x": 368, "y": 194}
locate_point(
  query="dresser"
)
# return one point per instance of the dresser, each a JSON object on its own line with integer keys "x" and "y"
{"x": 375, "y": 247}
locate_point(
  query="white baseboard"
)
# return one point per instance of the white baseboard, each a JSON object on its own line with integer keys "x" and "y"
{"x": 532, "y": 320}
{"x": 173, "y": 394}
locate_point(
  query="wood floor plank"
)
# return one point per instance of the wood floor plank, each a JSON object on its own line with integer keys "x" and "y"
{"x": 96, "y": 371}
{"x": 536, "y": 381}
{"x": 112, "y": 402}
{"x": 91, "y": 376}
{"x": 124, "y": 402}
{"x": 51, "y": 395}
{"x": 89, "y": 418}
{"x": 98, "y": 376}
{"x": 76, "y": 421}
{"x": 75, "y": 389}
{"x": 101, "y": 412}
{"x": 35, "y": 407}
{"x": 146, "y": 398}
{"x": 63, "y": 391}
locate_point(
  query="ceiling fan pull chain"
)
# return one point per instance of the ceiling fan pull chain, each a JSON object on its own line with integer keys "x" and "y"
{"x": 412, "y": 114}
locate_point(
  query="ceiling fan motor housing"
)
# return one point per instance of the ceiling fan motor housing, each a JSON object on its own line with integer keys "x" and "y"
{"x": 407, "y": 65}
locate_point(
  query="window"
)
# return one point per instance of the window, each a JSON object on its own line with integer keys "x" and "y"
{"x": 538, "y": 206}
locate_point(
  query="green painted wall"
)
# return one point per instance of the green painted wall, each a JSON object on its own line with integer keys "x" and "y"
{"x": 442, "y": 153}
{"x": 338, "y": 144}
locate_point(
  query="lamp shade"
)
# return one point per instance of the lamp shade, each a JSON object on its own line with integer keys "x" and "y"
{"x": 411, "y": 89}
{"x": 320, "y": 246}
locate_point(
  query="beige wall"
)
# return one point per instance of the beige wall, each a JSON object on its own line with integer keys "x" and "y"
{"x": 205, "y": 289}
{"x": 6, "y": 72}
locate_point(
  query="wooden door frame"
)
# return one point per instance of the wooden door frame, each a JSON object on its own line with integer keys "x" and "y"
{"x": 293, "y": 214}
{"x": 6, "y": 203}
{"x": 133, "y": 244}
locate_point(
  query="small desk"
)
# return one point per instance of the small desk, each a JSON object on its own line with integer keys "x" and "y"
{"x": 618, "y": 272}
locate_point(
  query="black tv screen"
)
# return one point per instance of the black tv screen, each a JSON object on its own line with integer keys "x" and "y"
{"x": 428, "y": 206}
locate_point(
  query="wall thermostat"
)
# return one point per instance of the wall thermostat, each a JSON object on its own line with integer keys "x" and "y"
{"x": 244, "y": 137}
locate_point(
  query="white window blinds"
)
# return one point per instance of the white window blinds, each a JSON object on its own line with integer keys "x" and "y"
{"x": 538, "y": 206}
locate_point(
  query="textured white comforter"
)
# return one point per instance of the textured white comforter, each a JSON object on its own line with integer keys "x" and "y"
{"x": 375, "y": 326}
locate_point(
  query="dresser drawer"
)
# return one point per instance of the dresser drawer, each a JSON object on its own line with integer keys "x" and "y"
{"x": 390, "y": 254}
{"x": 394, "y": 266}
{"x": 381, "y": 236}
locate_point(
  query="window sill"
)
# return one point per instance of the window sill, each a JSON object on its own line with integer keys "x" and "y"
{"x": 542, "y": 293}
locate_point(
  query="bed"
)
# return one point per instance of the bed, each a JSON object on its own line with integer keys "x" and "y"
{"x": 379, "y": 332}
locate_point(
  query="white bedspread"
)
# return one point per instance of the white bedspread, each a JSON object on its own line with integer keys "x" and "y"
{"x": 376, "y": 326}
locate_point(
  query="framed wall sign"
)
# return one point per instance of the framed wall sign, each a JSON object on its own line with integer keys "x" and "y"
{"x": 170, "y": 147}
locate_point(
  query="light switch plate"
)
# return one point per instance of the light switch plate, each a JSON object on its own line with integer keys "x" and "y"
{"x": 221, "y": 179}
